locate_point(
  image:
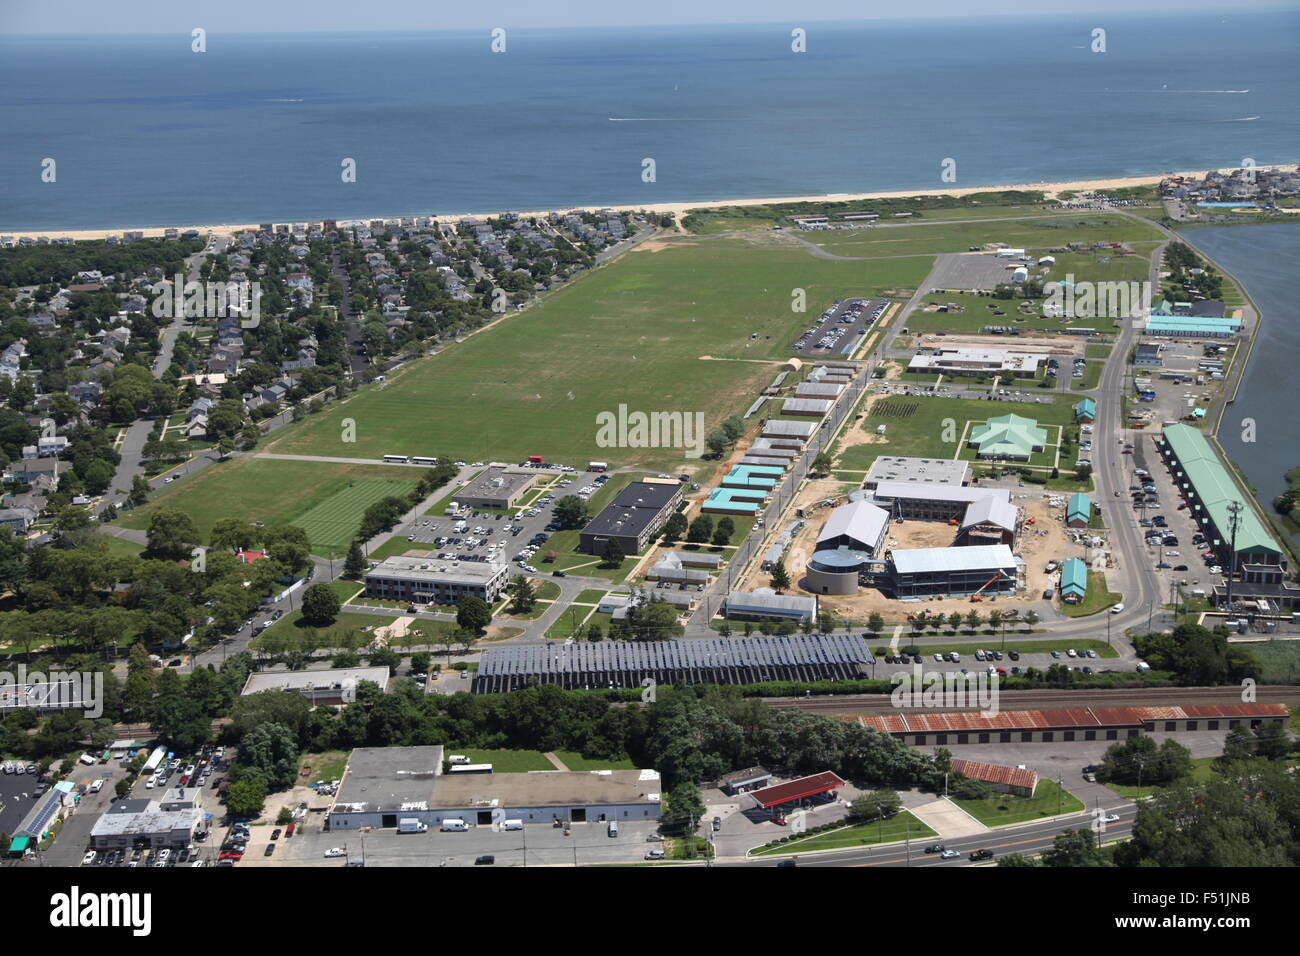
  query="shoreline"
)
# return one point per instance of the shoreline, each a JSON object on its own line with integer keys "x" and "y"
{"x": 677, "y": 208}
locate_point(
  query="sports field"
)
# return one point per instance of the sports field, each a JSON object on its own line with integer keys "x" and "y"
{"x": 314, "y": 495}
{"x": 689, "y": 325}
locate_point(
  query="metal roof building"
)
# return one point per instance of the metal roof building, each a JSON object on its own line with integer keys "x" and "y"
{"x": 1008, "y": 436}
{"x": 794, "y": 791}
{"x": 1074, "y": 580}
{"x": 1211, "y": 495}
{"x": 1078, "y": 510}
{"x": 923, "y": 572}
{"x": 806, "y": 407}
{"x": 736, "y": 660}
{"x": 928, "y": 471}
{"x": 859, "y": 525}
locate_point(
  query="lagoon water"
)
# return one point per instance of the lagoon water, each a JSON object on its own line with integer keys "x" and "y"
{"x": 1268, "y": 402}
{"x": 147, "y": 133}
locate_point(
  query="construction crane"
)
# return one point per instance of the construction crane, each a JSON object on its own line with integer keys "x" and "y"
{"x": 975, "y": 598}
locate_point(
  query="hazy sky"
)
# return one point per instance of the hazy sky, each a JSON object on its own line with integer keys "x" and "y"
{"x": 165, "y": 16}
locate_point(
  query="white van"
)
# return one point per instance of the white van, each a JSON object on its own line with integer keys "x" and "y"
{"x": 613, "y": 828}
{"x": 457, "y": 759}
{"x": 87, "y": 759}
{"x": 453, "y": 825}
{"x": 512, "y": 824}
{"x": 97, "y": 786}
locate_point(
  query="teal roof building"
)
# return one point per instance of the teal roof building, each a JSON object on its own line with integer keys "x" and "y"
{"x": 1008, "y": 436}
{"x": 1078, "y": 511}
{"x": 1074, "y": 581}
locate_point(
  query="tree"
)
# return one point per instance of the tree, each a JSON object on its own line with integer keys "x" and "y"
{"x": 139, "y": 493}
{"x": 675, "y": 527}
{"x": 821, "y": 464}
{"x": 245, "y": 798}
{"x": 320, "y": 605}
{"x": 571, "y": 512}
{"x": 780, "y": 577}
{"x": 473, "y": 614}
{"x": 272, "y": 750}
{"x": 354, "y": 565}
{"x": 595, "y": 632}
{"x": 523, "y": 598}
{"x": 716, "y": 441}
{"x": 683, "y": 810}
{"x": 172, "y": 534}
{"x": 384, "y": 657}
{"x": 721, "y": 536}
{"x": 875, "y": 623}
{"x": 701, "y": 530}
{"x": 232, "y": 534}
{"x": 613, "y": 555}
{"x": 973, "y": 619}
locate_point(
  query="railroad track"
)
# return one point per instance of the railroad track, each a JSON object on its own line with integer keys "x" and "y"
{"x": 1048, "y": 699}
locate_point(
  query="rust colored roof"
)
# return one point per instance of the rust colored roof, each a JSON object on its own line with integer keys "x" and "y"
{"x": 1119, "y": 716}
{"x": 885, "y": 723}
{"x": 1213, "y": 711}
{"x": 996, "y": 773}
{"x": 797, "y": 789}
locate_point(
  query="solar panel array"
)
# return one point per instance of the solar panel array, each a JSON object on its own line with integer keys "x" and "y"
{"x": 741, "y": 660}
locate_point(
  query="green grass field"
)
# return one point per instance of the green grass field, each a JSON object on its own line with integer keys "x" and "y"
{"x": 576, "y": 761}
{"x": 927, "y": 432}
{"x": 277, "y": 492}
{"x": 334, "y": 522}
{"x": 632, "y": 333}
{"x": 506, "y": 761}
{"x": 896, "y": 829}
{"x": 1035, "y": 234}
{"x": 1001, "y": 809}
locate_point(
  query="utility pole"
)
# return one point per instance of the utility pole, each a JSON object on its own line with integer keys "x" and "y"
{"x": 1234, "y": 522}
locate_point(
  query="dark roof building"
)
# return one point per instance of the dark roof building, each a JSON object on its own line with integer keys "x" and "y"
{"x": 633, "y": 518}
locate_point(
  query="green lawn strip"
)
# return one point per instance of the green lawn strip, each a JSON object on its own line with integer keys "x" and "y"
{"x": 901, "y": 827}
{"x": 576, "y": 761}
{"x": 590, "y": 596}
{"x": 1001, "y": 809}
{"x": 1098, "y": 598}
{"x": 506, "y": 761}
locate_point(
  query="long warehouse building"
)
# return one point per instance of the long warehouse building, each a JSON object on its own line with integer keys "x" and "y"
{"x": 743, "y": 660}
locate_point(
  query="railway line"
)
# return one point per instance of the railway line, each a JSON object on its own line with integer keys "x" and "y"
{"x": 1048, "y": 699}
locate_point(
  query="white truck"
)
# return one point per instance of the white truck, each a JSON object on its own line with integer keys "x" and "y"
{"x": 411, "y": 825}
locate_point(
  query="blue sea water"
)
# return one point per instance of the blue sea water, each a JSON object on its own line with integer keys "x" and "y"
{"x": 147, "y": 133}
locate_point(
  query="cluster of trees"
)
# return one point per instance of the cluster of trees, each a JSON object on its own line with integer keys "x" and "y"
{"x": 383, "y": 514}
{"x": 1182, "y": 284}
{"x": 1197, "y": 655}
{"x": 724, "y": 436}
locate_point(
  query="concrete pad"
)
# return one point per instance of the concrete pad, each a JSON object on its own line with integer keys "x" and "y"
{"x": 947, "y": 819}
{"x": 397, "y": 629}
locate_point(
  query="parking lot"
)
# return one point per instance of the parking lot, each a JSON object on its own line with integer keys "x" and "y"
{"x": 493, "y": 536}
{"x": 535, "y": 845}
{"x": 1174, "y": 543}
{"x": 838, "y": 330}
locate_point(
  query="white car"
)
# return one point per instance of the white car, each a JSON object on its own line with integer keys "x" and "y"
{"x": 336, "y": 851}
{"x": 1110, "y": 818}
{"x": 949, "y": 855}
{"x": 1117, "y": 608}
{"x": 654, "y": 854}
{"x": 1070, "y": 652}
{"x": 89, "y": 858}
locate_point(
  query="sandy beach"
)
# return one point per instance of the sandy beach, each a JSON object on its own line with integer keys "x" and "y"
{"x": 677, "y": 208}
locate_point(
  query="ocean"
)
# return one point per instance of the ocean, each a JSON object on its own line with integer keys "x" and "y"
{"x": 146, "y": 133}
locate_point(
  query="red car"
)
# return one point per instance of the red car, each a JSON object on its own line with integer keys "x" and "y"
{"x": 230, "y": 855}
{"x": 288, "y": 831}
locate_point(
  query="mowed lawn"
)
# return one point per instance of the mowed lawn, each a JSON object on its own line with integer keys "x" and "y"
{"x": 933, "y": 427}
{"x": 635, "y": 332}
{"x": 334, "y": 522}
{"x": 315, "y": 495}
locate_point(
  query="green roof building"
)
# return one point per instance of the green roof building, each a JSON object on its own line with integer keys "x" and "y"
{"x": 1078, "y": 511}
{"x": 1085, "y": 411}
{"x": 1008, "y": 436}
{"x": 1211, "y": 495}
{"x": 1074, "y": 581}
